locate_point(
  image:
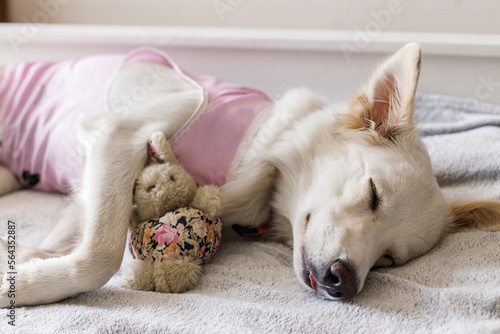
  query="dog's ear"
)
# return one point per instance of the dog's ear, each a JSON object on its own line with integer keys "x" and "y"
{"x": 386, "y": 104}
{"x": 477, "y": 215}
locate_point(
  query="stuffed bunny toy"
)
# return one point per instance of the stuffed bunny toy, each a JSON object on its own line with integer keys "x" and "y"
{"x": 174, "y": 224}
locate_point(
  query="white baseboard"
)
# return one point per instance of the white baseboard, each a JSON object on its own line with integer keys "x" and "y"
{"x": 334, "y": 63}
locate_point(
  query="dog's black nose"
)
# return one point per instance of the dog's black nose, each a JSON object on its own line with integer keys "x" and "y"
{"x": 340, "y": 280}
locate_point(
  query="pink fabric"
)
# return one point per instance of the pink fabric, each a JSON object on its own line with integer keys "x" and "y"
{"x": 40, "y": 104}
{"x": 208, "y": 148}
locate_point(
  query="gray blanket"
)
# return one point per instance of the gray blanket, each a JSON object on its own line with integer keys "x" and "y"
{"x": 250, "y": 287}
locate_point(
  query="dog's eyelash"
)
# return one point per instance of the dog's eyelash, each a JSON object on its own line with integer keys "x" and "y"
{"x": 374, "y": 199}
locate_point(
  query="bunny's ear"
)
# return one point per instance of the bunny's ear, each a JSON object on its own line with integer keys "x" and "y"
{"x": 160, "y": 150}
{"x": 153, "y": 155}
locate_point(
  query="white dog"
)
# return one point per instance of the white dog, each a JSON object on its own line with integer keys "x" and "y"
{"x": 351, "y": 185}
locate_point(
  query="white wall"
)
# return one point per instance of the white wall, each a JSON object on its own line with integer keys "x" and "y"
{"x": 274, "y": 60}
{"x": 456, "y": 16}
{"x": 328, "y": 45}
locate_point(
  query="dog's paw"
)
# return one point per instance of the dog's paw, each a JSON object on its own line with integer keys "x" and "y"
{"x": 35, "y": 283}
{"x": 17, "y": 291}
{"x": 3, "y": 254}
{"x": 158, "y": 139}
{"x": 7, "y": 291}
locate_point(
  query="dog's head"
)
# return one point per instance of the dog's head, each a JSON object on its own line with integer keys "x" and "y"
{"x": 357, "y": 187}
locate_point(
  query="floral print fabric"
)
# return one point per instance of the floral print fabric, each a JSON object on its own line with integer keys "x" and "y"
{"x": 186, "y": 232}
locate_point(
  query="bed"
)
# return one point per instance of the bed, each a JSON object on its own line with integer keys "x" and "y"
{"x": 249, "y": 285}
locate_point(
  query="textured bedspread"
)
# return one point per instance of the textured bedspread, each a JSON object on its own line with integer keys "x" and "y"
{"x": 250, "y": 287}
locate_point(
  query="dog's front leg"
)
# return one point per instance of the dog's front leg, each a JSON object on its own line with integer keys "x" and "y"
{"x": 108, "y": 177}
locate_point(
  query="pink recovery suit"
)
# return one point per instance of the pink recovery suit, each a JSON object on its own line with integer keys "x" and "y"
{"x": 41, "y": 102}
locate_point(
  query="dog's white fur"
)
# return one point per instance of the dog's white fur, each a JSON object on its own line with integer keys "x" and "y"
{"x": 312, "y": 167}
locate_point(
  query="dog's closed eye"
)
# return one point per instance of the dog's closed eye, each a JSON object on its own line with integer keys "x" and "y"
{"x": 374, "y": 198}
